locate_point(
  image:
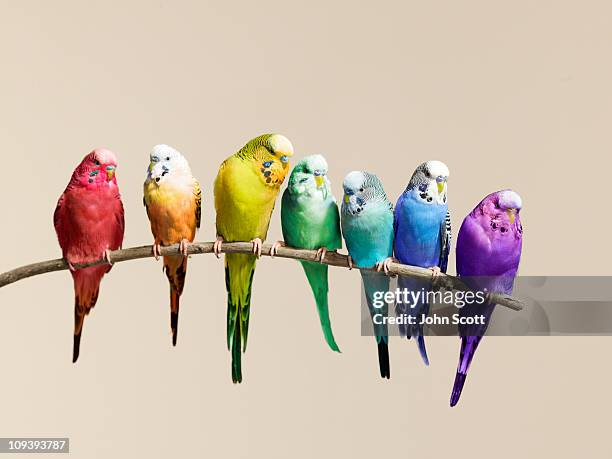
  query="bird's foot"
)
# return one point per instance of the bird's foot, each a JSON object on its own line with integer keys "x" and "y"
{"x": 217, "y": 246}
{"x": 184, "y": 247}
{"x": 156, "y": 251}
{"x": 107, "y": 257}
{"x": 435, "y": 273}
{"x": 70, "y": 266}
{"x": 321, "y": 252}
{"x": 257, "y": 244}
{"x": 384, "y": 265}
{"x": 274, "y": 248}
{"x": 349, "y": 260}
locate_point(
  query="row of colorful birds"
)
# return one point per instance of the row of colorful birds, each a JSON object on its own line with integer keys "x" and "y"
{"x": 89, "y": 222}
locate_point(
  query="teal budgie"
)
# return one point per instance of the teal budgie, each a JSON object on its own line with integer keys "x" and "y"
{"x": 367, "y": 226}
{"x": 310, "y": 220}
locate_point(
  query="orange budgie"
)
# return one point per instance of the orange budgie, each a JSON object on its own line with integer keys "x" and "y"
{"x": 172, "y": 197}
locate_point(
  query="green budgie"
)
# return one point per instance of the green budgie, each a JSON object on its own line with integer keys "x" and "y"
{"x": 310, "y": 220}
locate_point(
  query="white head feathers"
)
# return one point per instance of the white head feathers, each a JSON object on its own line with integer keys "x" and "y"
{"x": 167, "y": 162}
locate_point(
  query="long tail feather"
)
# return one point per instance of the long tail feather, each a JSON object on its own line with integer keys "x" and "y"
{"x": 383, "y": 360}
{"x": 76, "y": 347}
{"x": 469, "y": 344}
{"x": 176, "y": 271}
{"x": 86, "y": 290}
{"x": 422, "y": 349}
{"x": 373, "y": 283}
{"x": 317, "y": 278}
{"x": 174, "y": 315}
{"x": 417, "y": 331}
{"x": 236, "y": 356}
{"x": 79, "y": 320}
{"x": 418, "y": 311}
{"x": 239, "y": 271}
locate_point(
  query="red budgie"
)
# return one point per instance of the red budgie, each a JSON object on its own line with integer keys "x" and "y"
{"x": 89, "y": 224}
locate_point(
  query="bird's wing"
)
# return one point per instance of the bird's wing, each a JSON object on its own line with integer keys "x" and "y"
{"x": 57, "y": 221}
{"x": 144, "y": 203}
{"x": 120, "y": 230}
{"x": 197, "y": 191}
{"x": 396, "y": 212}
{"x": 336, "y": 226}
{"x": 57, "y": 215}
{"x": 445, "y": 238}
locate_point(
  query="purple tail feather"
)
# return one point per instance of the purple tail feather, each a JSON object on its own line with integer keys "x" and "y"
{"x": 468, "y": 348}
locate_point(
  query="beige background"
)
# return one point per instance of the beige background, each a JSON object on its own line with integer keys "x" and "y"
{"x": 508, "y": 94}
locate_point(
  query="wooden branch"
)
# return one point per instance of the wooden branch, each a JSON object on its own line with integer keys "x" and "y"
{"x": 331, "y": 258}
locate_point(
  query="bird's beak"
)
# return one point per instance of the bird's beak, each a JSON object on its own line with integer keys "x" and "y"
{"x": 441, "y": 181}
{"x": 110, "y": 172}
{"x": 319, "y": 181}
{"x": 346, "y": 198}
{"x": 511, "y": 215}
{"x": 157, "y": 171}
{"x": 284, "y": 159}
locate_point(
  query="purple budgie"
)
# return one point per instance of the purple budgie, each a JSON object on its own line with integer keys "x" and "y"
{"x": 488, "y": 254}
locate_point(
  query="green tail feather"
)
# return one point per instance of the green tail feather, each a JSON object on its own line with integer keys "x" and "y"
{"x": 239, "y": 270}
{"x": 236, "y": 356}
{"x": 317, "y": 278}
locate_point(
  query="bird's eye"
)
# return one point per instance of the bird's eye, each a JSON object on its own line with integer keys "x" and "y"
{"x": 303, "y": 180}
{"x": 96, "y": 162}
{"x": 167, "y": 158}
{"x": 361, "y": 190}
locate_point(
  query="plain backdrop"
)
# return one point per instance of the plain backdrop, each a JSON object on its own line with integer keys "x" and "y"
{"x": 508, "y": 94}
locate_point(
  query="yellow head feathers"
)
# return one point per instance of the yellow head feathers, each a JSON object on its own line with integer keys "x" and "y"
{"x": 280, "y": 146}
{"x": 269, "y": 155}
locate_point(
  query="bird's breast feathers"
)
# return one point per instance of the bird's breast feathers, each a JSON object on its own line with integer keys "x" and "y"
{"x": 243, "y": 182}
{"x": 310, "y": 223}
{"x": 89, "y": 222}
{"x": 169, "y": 193}
{"x": 369, "y": 236}
{"x": 172, "y": 212}
{"x": 244, "y": 199}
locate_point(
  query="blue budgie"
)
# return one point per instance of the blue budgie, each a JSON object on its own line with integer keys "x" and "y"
{"x": 367, "y": 226}
{"x": 422, "y": 238}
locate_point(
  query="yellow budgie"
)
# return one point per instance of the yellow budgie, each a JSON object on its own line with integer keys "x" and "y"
{"x": 172, "y": 197}
{"x": 246, "y": 188}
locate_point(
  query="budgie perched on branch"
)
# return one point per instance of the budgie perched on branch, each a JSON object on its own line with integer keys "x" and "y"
{"x": 245, "y": 191}
{"x": 422, "y": 238}
{"x": 89, "y": 224}
{"x": 310, "y": 220}
{"x": 488, "y": 255}
{"x": 367, "y": 227}
{"x": 172, "y": 197}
